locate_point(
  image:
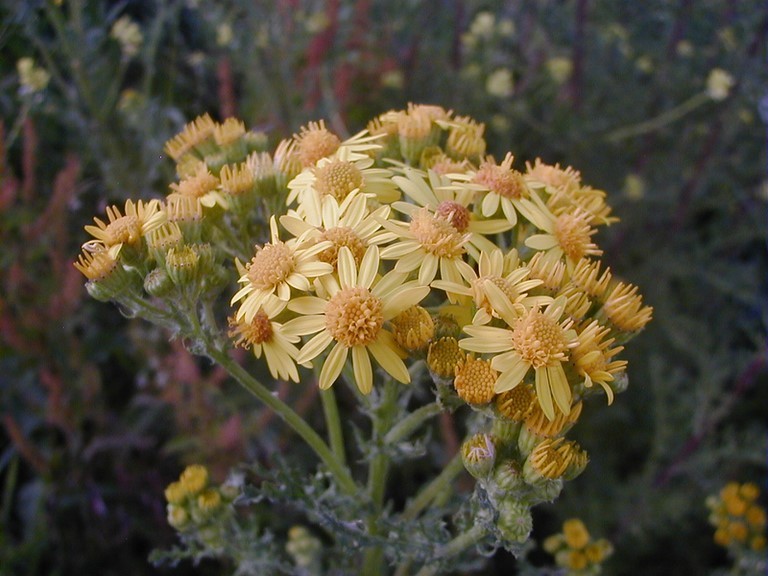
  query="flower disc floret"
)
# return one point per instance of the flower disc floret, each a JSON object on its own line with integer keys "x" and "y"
{"x": 354, "y": 316}
{"x": 272, "y": 264}
{"x": 539, "y": 339}
{"x": 501, "y": 179}
{"x": 436, "y": 235}
{"x": 456, "y": 214}
{"x": 475, "y": 380}
{"x": 341, "y": 236}
{"x": 338, "y": 178}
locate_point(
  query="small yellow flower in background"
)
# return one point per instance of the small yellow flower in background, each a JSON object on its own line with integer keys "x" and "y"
{"x": 483, "y": 25}
{"x": 500, "y": 83}
{"x": 224, "y": 34}
{"x": 575, "y": 551}
{"x": 719, "y": 84}
{"x": 31, "y": 77}
{"x": 559, "y": 68}
{"x": 739, "y": 519}
{"x": 128, "y": 35}
{"x": 352, "y": 318}
{"x": 194, "y": 479}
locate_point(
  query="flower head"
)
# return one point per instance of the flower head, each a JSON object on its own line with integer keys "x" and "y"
{"x": 539, "y": 340}
{"x": 265, "y": 336}
{"x": 129, "y": 228}
{"x": 351, "y": 319}
{"x": 274, "y": 269}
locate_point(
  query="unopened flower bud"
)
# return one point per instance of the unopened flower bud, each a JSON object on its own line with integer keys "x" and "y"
{"x": 479, "y": 455}
{"x": 515, "y": 521}
{"x": 443, "y": 357}
{"x": 158, "y": 283}
{"x": 194, "y": 479}
{"x": 177, "y": 516}
{"x": 175, "y": 493}
{"x": 508, "y": 478}
{"x": 182, "y": 265}
{"x": 413, "y": 328}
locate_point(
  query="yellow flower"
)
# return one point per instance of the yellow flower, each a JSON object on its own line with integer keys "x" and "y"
{"x": 568, "y": 234}
{"x": 346, "y": 223}
{"x": 624, "y": 308}
{"x": 592, "y": 357}
{"x": 352, "y": 319}
{"x": 432, "y": 191}
{"x": 539, "y": 341}
{"x": 413, "y": 328}
{"x": 314, "y": 141}
{"x": 194, "y": 479}
{"x": 139, "y": 220}
{"x": 475, "y": 380}
{"x": 428, "y": 242}
{"x": 276, "y": 267}
{"x": 500, "y": 186}
{"x": 499, "y": 288}
{"x": 339, "y": 175}
{"x": 266, "y": 336}
{"x": 202, "y": 185}
{"x": 31, "y": 77}
{"x": 443, "y": 356}
{"x": 193, "y": 135}
{"x": 575, "y": 533}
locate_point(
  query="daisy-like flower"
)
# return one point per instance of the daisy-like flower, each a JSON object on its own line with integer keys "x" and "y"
{"x": 139, "y": 220}
{"x": 267, "y": 337}
{"x": 429, "y": 242}
{"x": 592, "y": 357}
{"x": 275, "y": 268}
{"x": 201, "y": 185}
{"x": 434, "y": 192}
{"x": 314, "y": 141}
{"x": 345, "y": 223}
{"x": 566, "y": 192}
{"x": 352, "y": 320}
{"x": 338, "y": 176}
{"x": 624, "y": 308}
{"x": 568, "y": 234}
{"x": 499, "y": 288}
{"x": 193, "y": 135}
{"x": 539, "y": 340}
{"x": 503, "y": 186}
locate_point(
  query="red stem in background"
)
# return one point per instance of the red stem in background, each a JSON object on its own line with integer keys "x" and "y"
{"x": 226, "y": 88}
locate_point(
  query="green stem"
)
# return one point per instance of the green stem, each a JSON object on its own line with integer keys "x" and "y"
{"x": 339, "y": 471}
{"x": 434, "y": 488}
{"x": 411, "y": 423}
{"x": 661, "y": 120}
{"x": 455, "y": 546}
{"x": 333, "y": 422}
{"x": 378, "y": 470}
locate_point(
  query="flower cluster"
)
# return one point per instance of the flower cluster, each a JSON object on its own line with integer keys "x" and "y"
{"x": 738, "y": 517}
{"x": 196, "y": 508}
{"x": 404, "y": 243}
{"x": 575, "y": 551}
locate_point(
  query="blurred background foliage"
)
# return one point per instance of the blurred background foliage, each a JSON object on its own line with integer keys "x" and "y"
{"x": 99, "y": 412}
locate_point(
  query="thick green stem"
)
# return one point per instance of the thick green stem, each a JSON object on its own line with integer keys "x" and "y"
{"x": 434, "y": 488}
{"x": 339, "y": 471}
{"x": 333, "y": 422}
{"x": 455, "y": 546}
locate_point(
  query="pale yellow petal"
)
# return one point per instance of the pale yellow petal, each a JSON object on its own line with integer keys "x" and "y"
{"x": 333, "y": 366}
{"x": 314, "y": 347}
{"x": 361, "y": 366}
{"x": 403, "y": 299}
{"x": 369, "y": 267}
{"x": 304, "y": 325}
{"x": 308, "y": 305}
{"x": 383, "y": 350}
{"x": 541, "y": 242}
{"x": 544, "y": 393}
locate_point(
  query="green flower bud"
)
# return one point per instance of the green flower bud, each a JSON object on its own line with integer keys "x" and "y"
{"x": 507, "y": 431}
{"x": 508, "y": 478}
{"x": 479, "y": 455}
{"x": 182, "y": 265}
{"x": 515, "y": 521}
{"x": 158, "y": 283}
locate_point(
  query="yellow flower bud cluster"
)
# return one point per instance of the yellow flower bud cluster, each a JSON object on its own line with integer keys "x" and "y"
{"x": 575, "y": 551}
{"x": 194, "y": 504}
{"x": 739, "y": 519}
